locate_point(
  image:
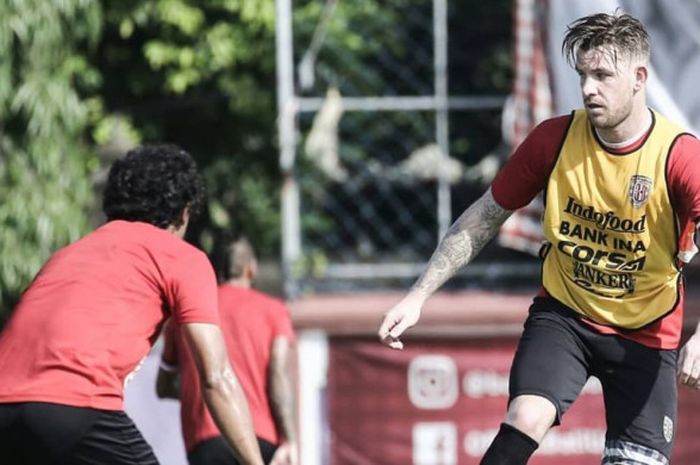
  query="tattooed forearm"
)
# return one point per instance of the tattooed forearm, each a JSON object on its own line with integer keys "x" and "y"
{"x": 463, "y": 241}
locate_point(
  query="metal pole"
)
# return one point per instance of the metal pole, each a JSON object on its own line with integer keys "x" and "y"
{"x": 442, "y": 123}
{"x": 287, "y": 111}
{"x": 406, "y": 103}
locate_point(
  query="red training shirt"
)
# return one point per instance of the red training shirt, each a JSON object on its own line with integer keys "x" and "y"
{"x": 526, "y": 174}
{"x": 250, "y": 322}
{"x": 94, "y": 311}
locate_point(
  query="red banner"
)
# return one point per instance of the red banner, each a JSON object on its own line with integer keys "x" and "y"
{"x": 441, "y": 403}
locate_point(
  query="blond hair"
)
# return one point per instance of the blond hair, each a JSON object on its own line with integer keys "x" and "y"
{"x": 618, "y": 33}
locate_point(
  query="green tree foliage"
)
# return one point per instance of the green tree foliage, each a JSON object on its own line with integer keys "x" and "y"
{"x": 202, "y": 74}
{"x": 44, "y": 160}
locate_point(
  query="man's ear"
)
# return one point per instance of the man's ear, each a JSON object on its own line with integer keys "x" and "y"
{"x": 640, "y": 77}
{"x": 181, "y": 228}
{"x": 252, "y": 269}
{"x": 185, "y": 217}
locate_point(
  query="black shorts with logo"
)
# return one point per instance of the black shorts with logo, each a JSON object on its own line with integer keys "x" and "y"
{"x": 38, "y": 433}
{"x": 558, "y": 352}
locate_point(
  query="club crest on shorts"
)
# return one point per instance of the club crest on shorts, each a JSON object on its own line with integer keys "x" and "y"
{"x": 640, "y": 188}
{"x": 668, "y": 429}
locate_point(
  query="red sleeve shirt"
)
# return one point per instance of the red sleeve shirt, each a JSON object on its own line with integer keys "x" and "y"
{"x": 526, "y": 174}
{"x": 95, "y": 309}
{"x": 684, "y": 177}
{"x": 250, "y": 321}
{"x": 527, "y": 171}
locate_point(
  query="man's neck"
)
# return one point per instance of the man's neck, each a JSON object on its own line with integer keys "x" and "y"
{"x": 627, "y": 133}
{"x": 239, "y": 282}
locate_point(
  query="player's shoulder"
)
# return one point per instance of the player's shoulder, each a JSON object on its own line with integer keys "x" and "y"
{"x": 547, "y": 136}
{"x": 688, "y": 141}
{"x": 550, "y": 131}
{"x": 684, "y": 153}
{"x": 269, "y": 301}
{"x": 685, "y": 144}
{"x": 557, "y": 123}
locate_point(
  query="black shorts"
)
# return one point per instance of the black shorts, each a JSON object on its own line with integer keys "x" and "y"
{"x": 558, "y": 352}
{"x": 37, "y": 433}
{"x": 216, "y": 451}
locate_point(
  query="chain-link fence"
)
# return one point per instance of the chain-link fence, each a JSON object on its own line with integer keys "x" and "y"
{"x": 389, "y": 128}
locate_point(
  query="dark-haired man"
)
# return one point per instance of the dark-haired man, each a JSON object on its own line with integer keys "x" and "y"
{"x": 622, "y": 190}
{"x": 259, "y": 336}
{"x": 92, "y": 314}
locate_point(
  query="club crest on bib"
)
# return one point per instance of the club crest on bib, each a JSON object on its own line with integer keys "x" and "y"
{"x": 640, "y": 188}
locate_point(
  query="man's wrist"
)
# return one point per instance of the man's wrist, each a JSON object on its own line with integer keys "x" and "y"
{"x": 417, "y": 296}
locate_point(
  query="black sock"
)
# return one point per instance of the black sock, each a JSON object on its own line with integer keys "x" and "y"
{"x": 510, "y": 447}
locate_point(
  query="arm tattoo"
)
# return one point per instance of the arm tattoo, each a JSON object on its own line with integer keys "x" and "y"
{"x": 463, "y": 241}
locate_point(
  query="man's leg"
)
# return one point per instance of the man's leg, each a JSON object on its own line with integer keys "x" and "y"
{"x": 39, "y": 432}
{"x": 528, "y": 420}
{"x": 549, "y": 370}
{"x": 113, "y": 439}
{"x": 9, "y": 438}
{"x": 510, "y": 447}
{"x": 640, "y": 392}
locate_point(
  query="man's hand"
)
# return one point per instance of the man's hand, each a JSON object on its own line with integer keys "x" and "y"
{"x": 286, "y": 454}
{"x": 397, "y": 320}
{"x": 474, "y": 228}
{"x": 689, "y": 363}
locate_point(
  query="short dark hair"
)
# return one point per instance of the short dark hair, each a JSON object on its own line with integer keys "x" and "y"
{"x": 153, "y": 184}
{"x": 622, "y": 32}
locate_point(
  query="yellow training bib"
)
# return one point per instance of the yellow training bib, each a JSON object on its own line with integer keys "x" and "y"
{"x": 611, "y": 230}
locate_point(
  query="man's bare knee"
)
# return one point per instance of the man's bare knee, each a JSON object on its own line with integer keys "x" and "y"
{"x": 533, "y": 415}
